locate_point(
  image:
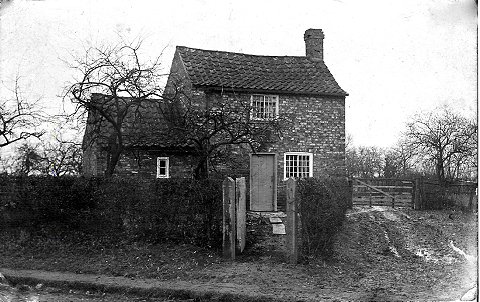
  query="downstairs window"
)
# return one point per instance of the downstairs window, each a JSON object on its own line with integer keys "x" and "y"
{"x": 163, "y": 167}
{"x": 298, "y": 165}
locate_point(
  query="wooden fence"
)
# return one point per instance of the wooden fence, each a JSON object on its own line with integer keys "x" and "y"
{"x": 420, "y": 193}
{"x": 430, "y": 194}
{"x": 383, "y": 192}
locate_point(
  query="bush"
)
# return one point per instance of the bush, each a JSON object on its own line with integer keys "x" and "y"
{"x": 29, "y": 201}
{"x": 323, "y": 203}
{"x": 435, "y": 197}
{"x": 181, "y": 210}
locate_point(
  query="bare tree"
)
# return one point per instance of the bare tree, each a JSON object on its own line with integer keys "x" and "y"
{"x": 61, "y": 157}
{"x": 366, "y": 162}
{"x": 443, "y": 138}
{"x": 218, "y": 127}
{"x": 57, "y": 158}
{"x": 400, "y": 161}
{"x": 19, "y": 118}
{"x": 125, "y": 86}
{"x": 27, "y": 159}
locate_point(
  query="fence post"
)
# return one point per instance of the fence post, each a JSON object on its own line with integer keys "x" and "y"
{"x": 292, "y": 222}
{"x": 241, "y": 208}
{"x": 418, "y": 194}
{"x": 350, "y": 193}
{"x": 229, "y": 229}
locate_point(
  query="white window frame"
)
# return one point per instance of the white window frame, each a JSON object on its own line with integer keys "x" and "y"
{"x": 253, "y": 115}
{"x": 310, "y": 162}
{"x": 167, "y": 167}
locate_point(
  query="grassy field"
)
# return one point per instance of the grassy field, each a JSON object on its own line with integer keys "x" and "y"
{"x": 380, "y": 255}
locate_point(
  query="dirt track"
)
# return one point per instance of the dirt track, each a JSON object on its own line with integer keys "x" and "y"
{"x": 409, "y": 253}
{"x": 381, "y": 254}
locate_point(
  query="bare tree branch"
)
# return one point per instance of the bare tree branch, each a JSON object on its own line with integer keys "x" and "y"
{"x": 19, "y": 118}
{"x": 446, "y": 139}
{"x": 115, "y": 85}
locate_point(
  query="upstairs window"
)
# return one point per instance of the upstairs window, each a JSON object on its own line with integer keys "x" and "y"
{"x": 163, "y": 167}
{"x": 264, "y": 106}
{"x": 298, "y": 165}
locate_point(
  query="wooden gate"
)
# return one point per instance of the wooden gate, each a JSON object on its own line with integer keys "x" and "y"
{"x": 383, "y": 192}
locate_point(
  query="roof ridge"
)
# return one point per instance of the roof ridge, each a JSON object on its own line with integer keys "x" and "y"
{"x": 238, "y": 53}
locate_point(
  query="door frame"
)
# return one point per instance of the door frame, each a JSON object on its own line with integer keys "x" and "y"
{"x": 275, "y": 177}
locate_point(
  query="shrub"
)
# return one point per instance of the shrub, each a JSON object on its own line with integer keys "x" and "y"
{"x": 29, "y": 201}
{"x": 435, "y": 197}
{"x": 323, "y": 203}
{"x": 181, "y": 210}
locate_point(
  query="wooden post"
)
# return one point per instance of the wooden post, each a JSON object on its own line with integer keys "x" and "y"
{"x": 417, "y": 204}
{"x": 350, "y": 194}
{"x": 470, "y": 199}
{"x": 229, "y": 229}
{"x": 241, "y": 209}
{"x": 292, "y": 223}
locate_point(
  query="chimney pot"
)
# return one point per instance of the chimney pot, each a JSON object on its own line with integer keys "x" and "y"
{"x": 314, "y": 44}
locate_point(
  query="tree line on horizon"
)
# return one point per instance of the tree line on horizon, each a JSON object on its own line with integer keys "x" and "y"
{"x": 440, "y": 144}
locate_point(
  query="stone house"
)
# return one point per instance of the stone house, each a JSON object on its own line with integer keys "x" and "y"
{"x": 300, "y": 86}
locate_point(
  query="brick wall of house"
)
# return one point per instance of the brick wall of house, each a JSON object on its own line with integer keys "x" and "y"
{"x": 319, "y": 124}
{"x": 93, "y": 160}
{"x": 143, "y": 163}
{"x": 318, "y": 127}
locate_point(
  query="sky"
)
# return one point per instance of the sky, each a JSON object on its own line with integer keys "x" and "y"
{"x": 394, "y": 58}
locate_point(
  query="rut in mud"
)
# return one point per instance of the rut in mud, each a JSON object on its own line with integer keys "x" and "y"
{"x": 408, "y": 251}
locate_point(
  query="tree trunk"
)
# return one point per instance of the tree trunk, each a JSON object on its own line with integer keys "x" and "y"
{"x": 112, "y": 162}
{"x": 440, "y": 173}
{"x": 201, "y": 170}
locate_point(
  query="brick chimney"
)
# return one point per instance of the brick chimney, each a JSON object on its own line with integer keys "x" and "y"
{"x": 314, "y": 44}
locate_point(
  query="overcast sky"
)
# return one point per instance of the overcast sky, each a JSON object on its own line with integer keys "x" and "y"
{"x": 394, "y": 58}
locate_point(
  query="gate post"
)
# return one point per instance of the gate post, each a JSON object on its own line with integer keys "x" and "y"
{"x": 241, "y": 209}
{"x": 417, "y": 204}
{"x": 292, "y": 223}
{"x": 228, "y": 227}
{"x": 350, "y": 193}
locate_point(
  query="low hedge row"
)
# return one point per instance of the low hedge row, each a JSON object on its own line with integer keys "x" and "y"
{"x": 182, "y": 210}
{"x": 323, "y": 204}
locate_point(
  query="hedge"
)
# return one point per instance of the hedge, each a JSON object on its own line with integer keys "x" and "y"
{"x": 180, "y": 210}
{"x": 323, "y": 204}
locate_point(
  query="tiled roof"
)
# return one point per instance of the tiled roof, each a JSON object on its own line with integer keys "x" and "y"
{"x": 281, "y": 74}
{"x": 143, "y": 126}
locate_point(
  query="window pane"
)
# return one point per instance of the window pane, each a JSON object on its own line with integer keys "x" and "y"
{"x": 264, "y": 106}
{"x": 297, "y": 165}
{"x": 162, "y": 167}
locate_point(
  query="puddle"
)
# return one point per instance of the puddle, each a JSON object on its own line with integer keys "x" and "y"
{"x": 467, "y": 257}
